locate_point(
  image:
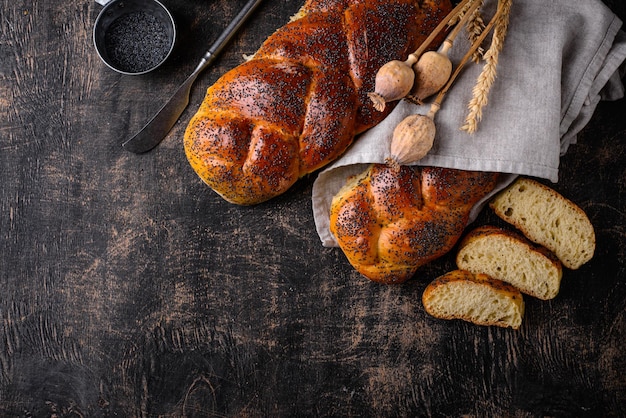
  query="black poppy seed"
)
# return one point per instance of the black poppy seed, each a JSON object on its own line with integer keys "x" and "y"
{"x": 136, "y": 42}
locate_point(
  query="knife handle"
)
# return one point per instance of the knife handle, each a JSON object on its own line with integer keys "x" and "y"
{"x": 227, "y": 34}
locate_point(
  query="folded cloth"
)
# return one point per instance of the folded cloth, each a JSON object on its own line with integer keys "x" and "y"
{"x": 560, "y": 58}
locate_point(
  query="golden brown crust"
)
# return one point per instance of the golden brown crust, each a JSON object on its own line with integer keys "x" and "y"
{"x": 299, "y": 102}
{"x": 389, "y": 223}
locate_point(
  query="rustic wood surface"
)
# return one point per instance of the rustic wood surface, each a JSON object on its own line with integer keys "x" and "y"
{"x": 128, "y": 288}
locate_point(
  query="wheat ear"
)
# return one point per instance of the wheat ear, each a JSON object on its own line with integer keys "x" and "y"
{"x": 475, "y": 26}
{"x": 488, "y": 75}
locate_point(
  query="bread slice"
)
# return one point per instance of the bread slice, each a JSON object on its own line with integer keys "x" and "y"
{"x": 549, "y": 219}
{"x": 508, "y": 256}
{"x": 475, "y": 298}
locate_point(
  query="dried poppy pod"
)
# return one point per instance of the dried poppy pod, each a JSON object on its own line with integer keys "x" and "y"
{"x": 394, "y": 81}
{"x": 432, "y": 72}
{"x": 412, "y": 139}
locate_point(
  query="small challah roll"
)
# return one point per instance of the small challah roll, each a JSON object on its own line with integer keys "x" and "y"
{"x": 390, "y": 222}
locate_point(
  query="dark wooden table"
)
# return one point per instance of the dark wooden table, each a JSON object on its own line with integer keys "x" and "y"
{"x": 128, "y": 288}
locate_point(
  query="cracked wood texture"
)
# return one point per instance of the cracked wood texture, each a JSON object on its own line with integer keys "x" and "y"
{"x": 128, "y": 288}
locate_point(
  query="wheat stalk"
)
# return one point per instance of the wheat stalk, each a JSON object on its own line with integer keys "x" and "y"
{"x": 475, "y": 26}
{"x": 462, "y": 11}
{"x": 488, "y": 75}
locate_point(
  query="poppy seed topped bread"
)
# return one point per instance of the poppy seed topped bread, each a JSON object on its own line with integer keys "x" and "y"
{"x": 549, "y": 219}
{"x": 301, "y": 99}
{"x": 390, "y": 222}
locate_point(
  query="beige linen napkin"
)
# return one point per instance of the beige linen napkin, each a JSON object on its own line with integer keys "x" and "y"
{"x": 560, "y": 58}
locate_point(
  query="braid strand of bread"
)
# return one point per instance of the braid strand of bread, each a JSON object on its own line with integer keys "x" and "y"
{"x": 389, "y": 223}
{"x": 298, "y": 103}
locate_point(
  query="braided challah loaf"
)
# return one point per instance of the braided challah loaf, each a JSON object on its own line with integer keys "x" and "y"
{"x": 298, "y": 103}
{"x": 389, "y": 223}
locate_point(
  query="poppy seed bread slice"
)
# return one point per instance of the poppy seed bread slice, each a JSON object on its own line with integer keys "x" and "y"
{"x": 508, "y": 256}
{"x": 549, "y": 219}
{"x": 476, "y": 298}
